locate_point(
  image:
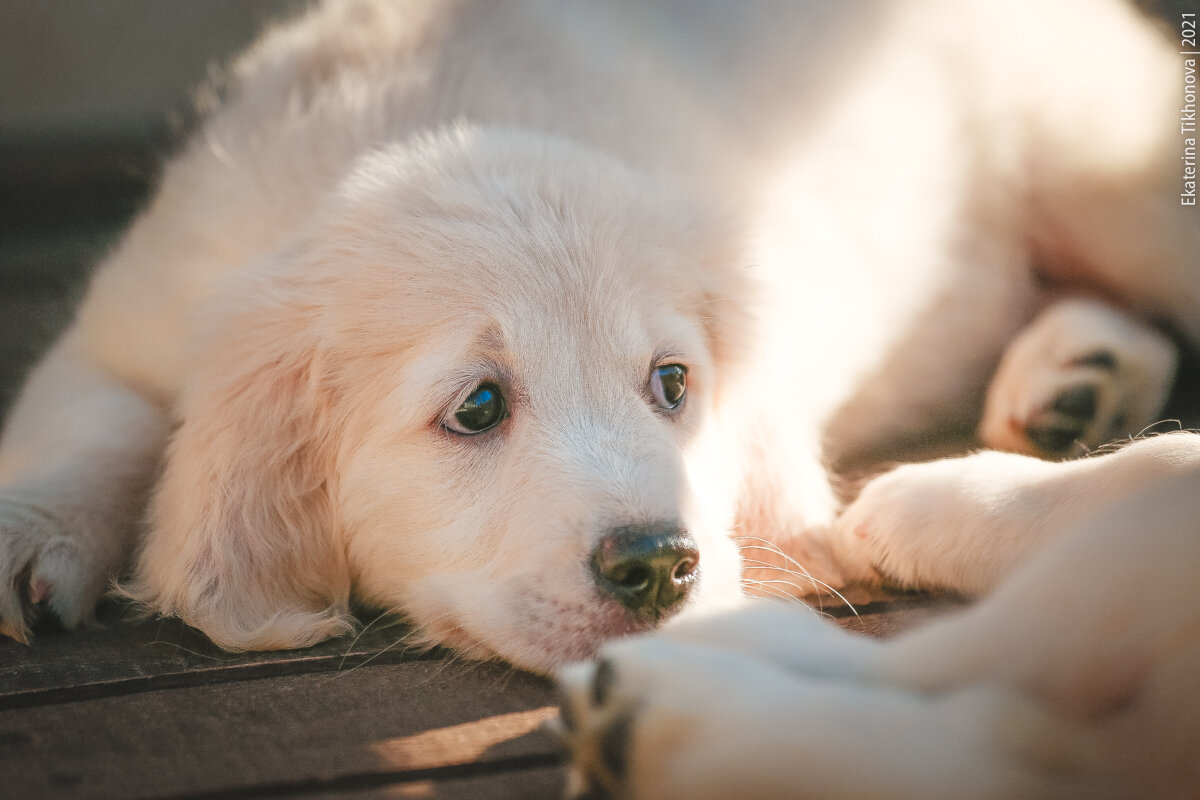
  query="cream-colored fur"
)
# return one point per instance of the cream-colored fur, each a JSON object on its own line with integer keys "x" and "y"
{"x": 1074, "y": 679}
{"x": 829, "y": 213}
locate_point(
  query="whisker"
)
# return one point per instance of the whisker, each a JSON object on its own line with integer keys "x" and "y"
{"x": 760, "y": 593}
{"x": 455, "y": 659}
{"x": 773, "y": 582}
{"x": 415, "y": 631}
{"x": 187, "y": 650}
{"x": 358, "y": 636}
{"x": 773, "y": 591}
{"x": 753, "y": 562}
{"x": 771, "y": 547}
{"x": 764, "y": 565}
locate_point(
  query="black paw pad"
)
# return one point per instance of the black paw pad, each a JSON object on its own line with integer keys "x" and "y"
{"x": 602, "y": 682}
{"x": 1101, "y": 359}
{"x": 1051, "y": 439}
{"x": 614, "y": 745}
{"x": 567, "y": 720}
{"x": 1059, "y": 426}
{"x": 1077, "y": 402}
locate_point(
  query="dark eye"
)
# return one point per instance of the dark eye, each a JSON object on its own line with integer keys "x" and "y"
{"x": 483, "y": 409}
{"x": 668, "y": 384}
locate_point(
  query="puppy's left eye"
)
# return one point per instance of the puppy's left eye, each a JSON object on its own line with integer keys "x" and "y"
{"x": 483, "y": 410}
{"x": 668, "y": 384}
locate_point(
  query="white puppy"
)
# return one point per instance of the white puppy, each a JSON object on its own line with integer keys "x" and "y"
{"x": 503, "y": 315}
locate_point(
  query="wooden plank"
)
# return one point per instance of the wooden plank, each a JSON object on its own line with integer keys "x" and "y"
{"x": 152, "y": 709}
{"x": 516, "y": 785}
{"x": 123, "y": 657}
{"x": 891, "y": 612}
{"x": 366, "y": 728}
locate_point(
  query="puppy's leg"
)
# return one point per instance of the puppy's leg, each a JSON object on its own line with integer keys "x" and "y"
{"x": 77, "y": 457}
{"x": 1087, "y": 615}
{"x": 1082, "y": 374}
{"x": 964, "y": 524}
{"x": 788, "y": 634}
{"x": 1049, "y": 688}
{"x": 1099, "y": 626}
{"x": 660, "y": 718}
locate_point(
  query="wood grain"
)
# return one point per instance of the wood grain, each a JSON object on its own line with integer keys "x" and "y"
{"x": 288, "y": 735}
{"x": 118, "y": 656}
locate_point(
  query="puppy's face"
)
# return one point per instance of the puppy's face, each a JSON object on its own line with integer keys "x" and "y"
{"x": 514, "y": 477}
{"x": 510, "y": 350}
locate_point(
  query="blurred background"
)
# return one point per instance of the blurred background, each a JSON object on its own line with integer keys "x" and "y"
{"x": 93, "y": 95}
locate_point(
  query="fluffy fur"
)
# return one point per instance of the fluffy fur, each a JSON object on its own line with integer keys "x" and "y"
{"x": 1075, "y": 678}
{"x": 836, "y": 216}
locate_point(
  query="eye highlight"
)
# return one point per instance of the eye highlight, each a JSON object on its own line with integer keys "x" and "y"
{"x": 483, "y": 410}
{"x": 668, "y": 386}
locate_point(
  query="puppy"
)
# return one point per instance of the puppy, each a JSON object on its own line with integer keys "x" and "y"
{"x": 505, "y": 315}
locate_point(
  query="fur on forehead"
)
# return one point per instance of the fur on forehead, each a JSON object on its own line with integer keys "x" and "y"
{"x": 471, "y": 218}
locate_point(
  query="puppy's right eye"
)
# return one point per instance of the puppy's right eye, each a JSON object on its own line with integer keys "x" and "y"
{"x": 482, "y": 410}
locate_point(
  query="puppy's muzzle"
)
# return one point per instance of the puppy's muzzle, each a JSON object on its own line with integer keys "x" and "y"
{"x": 649, "y": 569}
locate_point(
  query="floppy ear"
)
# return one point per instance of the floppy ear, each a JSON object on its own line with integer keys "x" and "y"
{"x": 242, "y": 543}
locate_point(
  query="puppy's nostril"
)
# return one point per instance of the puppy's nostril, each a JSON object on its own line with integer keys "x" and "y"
{"x": 648, "y": 569}
{"x": 634, "y": 577}
{"x": 686, "y": 569}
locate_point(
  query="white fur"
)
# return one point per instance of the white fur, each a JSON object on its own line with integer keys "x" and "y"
{"x": 829, "y": 212}
{"x": 1078, "y": 344}
{"x": 1076, "y": 678}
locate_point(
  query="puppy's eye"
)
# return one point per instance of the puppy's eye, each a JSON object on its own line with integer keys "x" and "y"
{"x": 483, "y": 409}
{"x": 668, "y": 384}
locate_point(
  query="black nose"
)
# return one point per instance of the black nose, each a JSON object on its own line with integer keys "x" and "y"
{"x": 649, "y": 569}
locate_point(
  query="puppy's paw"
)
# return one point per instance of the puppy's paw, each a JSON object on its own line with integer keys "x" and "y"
{"x": 42, "y": 568}
{"x": 786, "y": 634}
{"x": 1082, "y": 374}
{"x": 595, "y": 727}
{"x": 654, "y": 719}
{"x": 657, "y": 719}
{"x": 692, "y": 712}
{"x": 956, "y": 523}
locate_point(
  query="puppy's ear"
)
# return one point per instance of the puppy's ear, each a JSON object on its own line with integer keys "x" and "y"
{"x": 242, "y": 542}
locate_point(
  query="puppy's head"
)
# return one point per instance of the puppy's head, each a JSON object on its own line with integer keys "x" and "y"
{"x": 478, "y": 392}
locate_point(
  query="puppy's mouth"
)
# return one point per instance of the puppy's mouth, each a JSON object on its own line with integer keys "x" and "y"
{"x": 536, "y": 632}
{"x": 634, "y": 580}
{"x": 552, "y": 634}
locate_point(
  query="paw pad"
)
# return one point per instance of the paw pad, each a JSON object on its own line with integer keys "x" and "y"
{"x": 595, "y": 731}
{"x": 1065, "y": 420}
{"x": 1082, "y": 374}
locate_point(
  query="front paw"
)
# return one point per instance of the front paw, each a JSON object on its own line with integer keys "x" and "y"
{"x": 653, "y": 719}
{"x": 1081, "y": 375}
{"x": 42, "y": 568}
{"x": 594, "y": 728}
{"x": 696, "y": 710}
{"x": 959, "y": 524}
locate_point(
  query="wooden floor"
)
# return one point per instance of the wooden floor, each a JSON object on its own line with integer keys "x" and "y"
{"x": 151, "y": 709}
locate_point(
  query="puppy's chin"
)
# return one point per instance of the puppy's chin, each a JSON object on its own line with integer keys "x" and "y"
{"x": 519, "y": 621}
{"x": 558, "y": 641}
